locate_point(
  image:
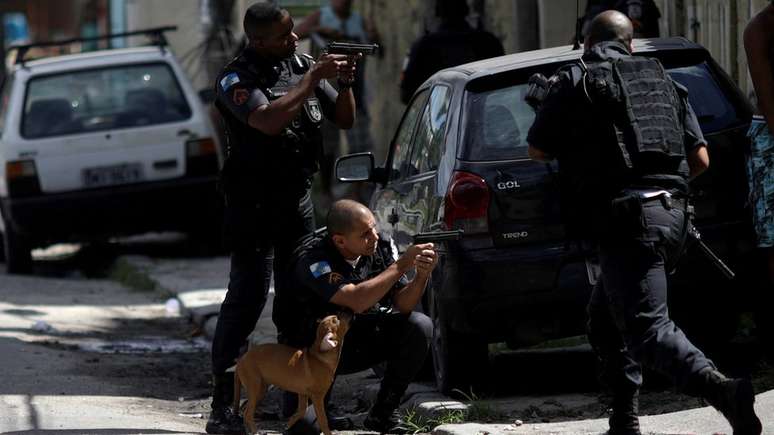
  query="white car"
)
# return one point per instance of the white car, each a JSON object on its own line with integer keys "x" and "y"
{"x": 99, "y": 144}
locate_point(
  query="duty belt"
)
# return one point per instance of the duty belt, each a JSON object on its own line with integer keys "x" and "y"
{"x": 667, "y": 199}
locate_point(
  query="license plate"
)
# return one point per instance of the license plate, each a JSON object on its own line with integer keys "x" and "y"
{"x": 112, "y": 175}
{"x": 593, "y": 271}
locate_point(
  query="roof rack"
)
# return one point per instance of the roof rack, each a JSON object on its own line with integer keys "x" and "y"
{"x": 156, "y": 36}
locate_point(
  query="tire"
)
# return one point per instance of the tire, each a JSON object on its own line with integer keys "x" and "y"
{"x": 459, "y": 360}
{"x": 18, "y": 252}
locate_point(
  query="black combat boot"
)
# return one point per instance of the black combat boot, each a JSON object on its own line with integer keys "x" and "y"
{"x": 734, "y": 398}
{"x": 224, "y": 420}
{"x": 623, "y": 417}
{"x": 383, "y": 417}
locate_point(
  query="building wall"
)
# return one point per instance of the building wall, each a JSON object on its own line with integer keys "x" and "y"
{"x": 520, "y": 24}
{"x": 185, "y": 42}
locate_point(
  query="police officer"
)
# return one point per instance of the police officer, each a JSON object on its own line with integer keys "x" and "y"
{"x": 351, "y": 267}
{"x": 632, "y": 190}
{"x": 272, "y": 101}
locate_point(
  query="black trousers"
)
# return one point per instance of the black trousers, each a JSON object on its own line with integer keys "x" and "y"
{"x": 629, "y": 324}
{"x": 269, "y": 235}
{"x": 400, "y": 340}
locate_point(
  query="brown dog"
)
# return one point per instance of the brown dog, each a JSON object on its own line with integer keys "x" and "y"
{"x": 308, "y": 372}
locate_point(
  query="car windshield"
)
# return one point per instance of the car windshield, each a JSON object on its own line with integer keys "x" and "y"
{"x": 499, "y": 120}
{"x": 101, "y": 99}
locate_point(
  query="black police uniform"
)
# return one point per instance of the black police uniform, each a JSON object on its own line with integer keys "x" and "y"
{"x": 379, "y": 334}
{"x": 639, "y": 229}
{"x": 265, "y": 181}
{"x": 454, "y": 43}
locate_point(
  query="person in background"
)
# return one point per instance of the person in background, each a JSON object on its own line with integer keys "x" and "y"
{"x": 454, "y": 43}
{"x": 759, "y": 45}
{"x": 644, "y": 15}
{"x": 339, "y": 22}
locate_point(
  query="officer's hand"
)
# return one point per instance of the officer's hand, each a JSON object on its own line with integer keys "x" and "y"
{"x": 425, "y": 262}
{"x": 407, "y": 261}
{"x": 347, "y": 73}
{"x": 328, "y": 66}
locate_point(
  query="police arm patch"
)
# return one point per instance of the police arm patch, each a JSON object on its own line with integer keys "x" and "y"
{"x": 320, "y": 268}
{"x": 228, "y": 81}
{"x": 240, "y": 96}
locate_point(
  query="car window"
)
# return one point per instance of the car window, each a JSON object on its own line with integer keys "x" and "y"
{"x": 101, "y": 99}
{"x": 428, "y": 144}
{"x": 712, "y": 107}
{"x": 402, "y": 146}
{"x": 5, "y": 97}
{"x": 497, "y": 123}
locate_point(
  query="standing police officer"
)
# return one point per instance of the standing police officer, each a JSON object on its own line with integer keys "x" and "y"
{"x": 621, "y": 131}
{"x": 272, "y": 102}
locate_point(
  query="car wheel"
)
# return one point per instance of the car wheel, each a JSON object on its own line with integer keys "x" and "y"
{"x": 18, "y": 253}
{"x": 459, "y": 360}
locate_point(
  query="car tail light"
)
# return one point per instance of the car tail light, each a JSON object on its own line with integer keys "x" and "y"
{"x": 22, "y": 178}
{"x": 201, "y": 157}
{"x": 467, "y": 203}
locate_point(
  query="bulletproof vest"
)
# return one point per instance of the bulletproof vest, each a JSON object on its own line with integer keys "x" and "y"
{"x": 287, "y": 160}
{"x": 641, "y": 101}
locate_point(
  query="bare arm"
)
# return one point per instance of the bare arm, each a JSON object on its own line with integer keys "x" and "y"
{"x": 362, "y": 296}
{"x": 408, "y": 297}
{"x": 758, "y": 46}
{"x": 698, "y": 161}
{"x": 538, "y": 155}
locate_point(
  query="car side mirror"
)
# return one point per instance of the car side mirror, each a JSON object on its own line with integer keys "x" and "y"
{"x": 355, "y": 167}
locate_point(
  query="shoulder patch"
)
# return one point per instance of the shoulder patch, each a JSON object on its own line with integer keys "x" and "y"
{"x": 320, "y": 268}
{"x": 228, "y": 81}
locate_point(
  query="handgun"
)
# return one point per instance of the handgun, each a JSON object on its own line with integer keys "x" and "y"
{"x": 350, "y": 48}
{"x": 438, "y": 236}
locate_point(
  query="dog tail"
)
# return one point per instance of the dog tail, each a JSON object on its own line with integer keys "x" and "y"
{"x": 237, "y": 392}
{"x": 295, "y": 358}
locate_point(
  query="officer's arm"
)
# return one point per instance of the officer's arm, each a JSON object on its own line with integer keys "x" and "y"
{"x": 758, "y": 46}
{"x": 538, "y": 155}
{"x": 408, "y": 297}
{"x": 362, "y": 296}
{"x": 698, "y": 161}
{"x": 271, "y": 119}
{"x": 345, "y": 109}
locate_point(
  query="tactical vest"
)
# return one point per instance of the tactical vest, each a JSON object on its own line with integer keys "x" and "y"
{"x": 289, "y": 160}
{"x": 638, "y": 96}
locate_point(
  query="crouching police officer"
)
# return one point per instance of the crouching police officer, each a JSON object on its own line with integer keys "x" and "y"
{"x": 351, "y": 267}
{"x": 272, "y": 102}
{"x": 621, "y": 131}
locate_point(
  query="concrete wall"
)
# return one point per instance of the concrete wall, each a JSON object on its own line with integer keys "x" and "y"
{"x": 186, "y": 42}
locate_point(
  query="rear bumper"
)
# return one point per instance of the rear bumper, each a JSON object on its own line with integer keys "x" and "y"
{"x": 517, "y": 295}
{"x": 175, "y": 205}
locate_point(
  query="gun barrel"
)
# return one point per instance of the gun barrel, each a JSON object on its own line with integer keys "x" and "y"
{"x": 351, "y": 48}
{"x": 438, "y": 236}
{"x": 695, "y": 237}
{"x": 724, "y": 269}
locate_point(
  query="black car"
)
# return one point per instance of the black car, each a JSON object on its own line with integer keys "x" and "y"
{"x": 459, "y": 161}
